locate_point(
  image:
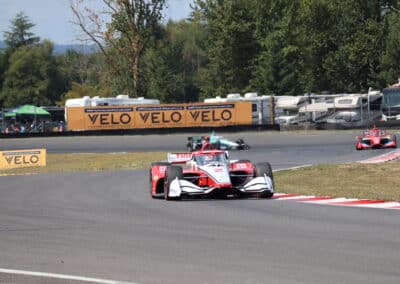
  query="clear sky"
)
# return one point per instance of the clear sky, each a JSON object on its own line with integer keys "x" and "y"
{"x": 52, "y": 18}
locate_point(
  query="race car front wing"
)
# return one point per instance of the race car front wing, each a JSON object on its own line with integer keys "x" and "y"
{"x": 382, "y": 142}
{"x": 179, "y": 187}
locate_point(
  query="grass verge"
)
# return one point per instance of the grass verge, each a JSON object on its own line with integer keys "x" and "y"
{"x": 370, "y": 181}
{"x": 93, "y": 162}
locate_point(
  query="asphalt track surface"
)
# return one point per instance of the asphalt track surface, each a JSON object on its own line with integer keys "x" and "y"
{"x": 105, "y": 225}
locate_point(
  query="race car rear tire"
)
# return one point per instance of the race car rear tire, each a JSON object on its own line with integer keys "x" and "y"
{"x": 265, "y": 169}
{"x": 217, "y": 145}
{"x": 151, "y": 176}
{"x": 171, "y": 173}
{"x": 394, "y": 140}
{"x": 242, "y": 145}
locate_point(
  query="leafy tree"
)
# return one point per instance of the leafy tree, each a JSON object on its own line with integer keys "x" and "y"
{"x": 390, "y": 59}
{"x": 124, "y": 38}
{"x": 79, "y": 90}
{"x": 32, "y": 77}
{"x": 344, "y": 39}
{"x": 231, "y": 45}
{"x": 193, "y": 36}
{"x": 4, "y": 56}
{"x": 171, "y": 67}
{"x": 318, "y": 45}
{"x": 20, "y": 34}
{"x": 268, "y": 15}
{"x": 280, "y": 66}
{"x": 84, "y": 75}
{"x": 82, "y": 68}
{"x": 351, "y": 65}
{"x": 74, "y": 65}
{"x": 164, "y": 70}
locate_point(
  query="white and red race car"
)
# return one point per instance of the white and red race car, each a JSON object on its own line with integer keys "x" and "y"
{"x": 209, "y": 174}
{"x": 375, "y": 139}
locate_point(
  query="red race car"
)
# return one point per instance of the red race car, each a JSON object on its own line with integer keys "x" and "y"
{"x": 375, "y": 138}
{"x": 209, "y": 174}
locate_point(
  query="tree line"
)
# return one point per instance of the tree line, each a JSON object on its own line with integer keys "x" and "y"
{"x": 280, "y": 47}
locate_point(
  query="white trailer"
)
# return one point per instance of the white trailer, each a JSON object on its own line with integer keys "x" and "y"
{"x": 120, "y": 100}
{"x": 260, "y": 105}
{"x": 287, "y": 109}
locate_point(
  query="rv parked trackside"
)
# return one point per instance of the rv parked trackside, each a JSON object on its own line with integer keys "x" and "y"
{"x": 287, "y": 109}
{"x": 391, "y": 103}
{"x": 261, "y": 105}
{"x": 343, "y": 108}
{"x": 120, "y": 100}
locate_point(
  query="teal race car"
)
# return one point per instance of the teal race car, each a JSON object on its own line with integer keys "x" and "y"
{"x": 218, "y": 143}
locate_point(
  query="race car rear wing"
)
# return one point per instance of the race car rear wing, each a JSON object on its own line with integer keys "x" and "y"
{"x": 179, "y": 158}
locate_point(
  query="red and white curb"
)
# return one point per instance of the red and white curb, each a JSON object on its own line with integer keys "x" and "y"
{"x": 338, "y": 201}
{"x": 394, "y": 155}
{"x": 342, "y": 201}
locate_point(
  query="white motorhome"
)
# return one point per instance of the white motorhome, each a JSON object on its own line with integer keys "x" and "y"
{"x": 120, "y": 100}
{"x": 315, "y": 110}
{"x": 391, "y": 102}
{"x": 356, "y": 107}
{"x": 287, "y": 109}
{"x": 112, "y": 101}
{"x": 260, "y": 105}
{"x": 344, "y": 108}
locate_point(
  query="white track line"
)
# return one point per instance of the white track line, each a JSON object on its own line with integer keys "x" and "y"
{"x": 333, "y": 200}
{"x": 21, "y": 174}
{"x": 293, "y": 197}
{"x": 384, "y": 205}
{"x": 62, "y": 276}
{"x": 293, "y": 168}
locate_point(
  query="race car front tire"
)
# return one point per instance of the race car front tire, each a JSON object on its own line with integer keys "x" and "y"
{"x": 265, "y": 169}
{"x": 151, "y": 176}
{"x": 171, "y": 173}
{"x": 358, "y": 145}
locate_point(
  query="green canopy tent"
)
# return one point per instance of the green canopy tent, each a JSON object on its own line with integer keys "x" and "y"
{"x": 10, "y": 114}
{"x": 27, "y": 110}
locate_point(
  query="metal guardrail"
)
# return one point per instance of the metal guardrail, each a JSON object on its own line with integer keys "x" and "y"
{"x": 155, "y": 131}
{"x": 148, "y": 131}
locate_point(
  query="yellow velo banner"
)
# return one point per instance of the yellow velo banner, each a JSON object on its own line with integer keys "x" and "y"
{"x": 156, "y": 116}
{"x": 100, "y": 118}
{"x": 22, "y": 158}
{"x": 159, "y": 116}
